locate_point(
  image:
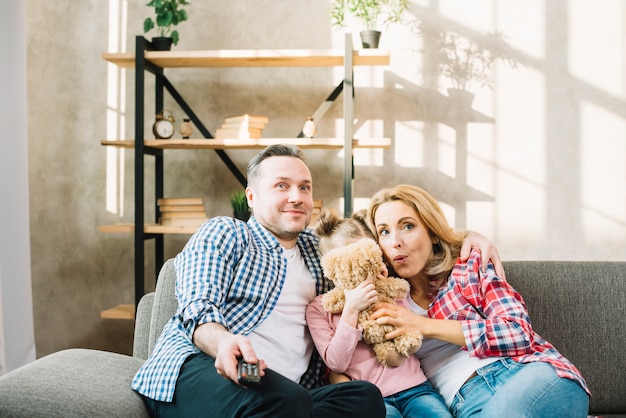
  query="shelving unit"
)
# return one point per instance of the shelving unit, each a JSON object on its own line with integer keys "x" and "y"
{"x": 145, "y": 59}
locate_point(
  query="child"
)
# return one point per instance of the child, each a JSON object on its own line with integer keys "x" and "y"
{"x": 405, "y": 388}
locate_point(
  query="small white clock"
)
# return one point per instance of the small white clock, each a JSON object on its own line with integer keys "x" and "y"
{"x": 163, "y": 127}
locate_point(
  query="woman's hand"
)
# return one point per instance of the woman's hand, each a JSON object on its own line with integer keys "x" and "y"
{"x": 406, "y": 320}
{"x": 487, "y": 250}
{"x": 403, "y": 319}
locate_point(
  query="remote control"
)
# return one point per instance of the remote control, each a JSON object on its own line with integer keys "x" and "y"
{"x": 248, "y": 374}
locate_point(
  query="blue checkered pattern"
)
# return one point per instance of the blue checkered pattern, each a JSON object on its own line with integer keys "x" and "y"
{"x": 229, "y": 273}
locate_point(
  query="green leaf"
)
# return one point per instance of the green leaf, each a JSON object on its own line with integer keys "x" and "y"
{"x": 239, "y": 201}
{"x": 164, "y": 19}
{"x": 168, "y": 13}
{"x": 148, "y": 24}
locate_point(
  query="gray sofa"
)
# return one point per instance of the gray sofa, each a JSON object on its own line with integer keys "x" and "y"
{"x": 578, "y": 306}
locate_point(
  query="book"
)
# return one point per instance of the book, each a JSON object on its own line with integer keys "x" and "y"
{"x": 180, "y": 201}
{"x": 181, "y": 208}
{"x": 183, "y": 214}
{"x": 247, "y": 117}
{"x": 183, "y": 221}
{"x": 240, "y": 135}
{"x": 243, "y": 124}
{"x": 238, "y": 131}
{"x": 237, "y": 134}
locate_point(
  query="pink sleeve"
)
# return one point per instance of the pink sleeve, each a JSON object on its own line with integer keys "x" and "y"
{"x": 334, "y": 339}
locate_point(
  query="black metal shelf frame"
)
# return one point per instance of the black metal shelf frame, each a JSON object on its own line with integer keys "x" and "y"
{"x": 162, "y": 84}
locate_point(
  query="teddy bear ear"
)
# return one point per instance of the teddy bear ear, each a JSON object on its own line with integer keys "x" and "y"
{"x": 329, "y": 263}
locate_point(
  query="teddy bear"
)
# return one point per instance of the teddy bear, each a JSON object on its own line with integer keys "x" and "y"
{"x": 347, "y": 267}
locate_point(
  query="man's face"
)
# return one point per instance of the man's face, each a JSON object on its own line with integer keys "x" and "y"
{"x": 282, "y": 197}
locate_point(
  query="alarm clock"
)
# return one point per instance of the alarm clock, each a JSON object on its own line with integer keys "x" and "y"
{"x": 163, "y": 127}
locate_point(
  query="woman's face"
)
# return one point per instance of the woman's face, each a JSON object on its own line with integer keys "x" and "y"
{"x": 403, "y": 238}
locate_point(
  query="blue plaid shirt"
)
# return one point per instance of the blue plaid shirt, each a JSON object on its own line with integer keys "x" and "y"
{"x": 230, "y": 273}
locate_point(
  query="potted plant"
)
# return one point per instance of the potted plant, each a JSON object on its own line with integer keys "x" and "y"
{"x": 373, "y": 14}
{"x": 468, "y": 62}
{"x": 169, "y": 13}
{"x": 239, "y": 202}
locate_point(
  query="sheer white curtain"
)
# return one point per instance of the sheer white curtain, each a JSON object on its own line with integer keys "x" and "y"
{"x": 17, "y": 341}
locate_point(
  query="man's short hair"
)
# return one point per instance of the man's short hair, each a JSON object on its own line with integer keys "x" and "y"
{"x": 276, "y": 150}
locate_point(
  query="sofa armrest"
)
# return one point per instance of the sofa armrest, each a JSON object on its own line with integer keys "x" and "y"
{"x": 142, "y": 327}
{"x": 165, "y": 303}
{"x": 73, "y": 383}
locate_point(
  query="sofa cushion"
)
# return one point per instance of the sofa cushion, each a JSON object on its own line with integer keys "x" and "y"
{"x": 73, "y": 383}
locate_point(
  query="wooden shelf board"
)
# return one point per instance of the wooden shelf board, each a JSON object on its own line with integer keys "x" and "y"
{"x": 170, "y": 229}
{"x": 150, "y": 228}
{"x": 119, "y": 312}
{"x": 225, "y": 144}
{"x": 117, "y": 228}
{"x": 251, "y": 58}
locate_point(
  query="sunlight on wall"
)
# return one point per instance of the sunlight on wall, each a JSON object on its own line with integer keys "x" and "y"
{"x": 409, "y": 144}
{"x": 116, "y": 108}
{"x": 524, "y": 26}
{"x": 602, "y": 125}
{"x": 587, "y": 49}
{"x": 359, "y": 203}
{"x": 446, "y": 151}
{"x": 603, "y": 174}
{"x": 477, "y": 14}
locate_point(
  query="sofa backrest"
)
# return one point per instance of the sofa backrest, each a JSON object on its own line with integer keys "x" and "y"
{"x": 154, "y": 310}
{"x": 580, "y": 307}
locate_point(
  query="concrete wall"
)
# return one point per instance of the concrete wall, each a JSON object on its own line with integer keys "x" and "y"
{"x": 542, "y": 172}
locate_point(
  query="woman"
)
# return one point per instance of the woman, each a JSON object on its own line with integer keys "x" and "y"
{"x": 480, "y": 351}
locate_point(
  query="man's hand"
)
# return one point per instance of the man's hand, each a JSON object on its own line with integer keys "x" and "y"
{"x": 226, "y": 348}
{"x": 487, "y": 250}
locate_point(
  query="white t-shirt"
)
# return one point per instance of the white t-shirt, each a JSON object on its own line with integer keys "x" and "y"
{"x": 446, "y": 365}
{"x": 283, "y": 339}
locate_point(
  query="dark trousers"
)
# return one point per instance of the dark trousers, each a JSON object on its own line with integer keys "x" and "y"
{"x": 201, "y": 392}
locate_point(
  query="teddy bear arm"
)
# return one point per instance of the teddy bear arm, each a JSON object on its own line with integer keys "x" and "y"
{"x": 334, "y": 300}
{"x": 387, "y": 354}
{"x": 409, "y": 343}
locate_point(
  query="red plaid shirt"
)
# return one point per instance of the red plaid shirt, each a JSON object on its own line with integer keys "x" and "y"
{"x": 494, "y": 318}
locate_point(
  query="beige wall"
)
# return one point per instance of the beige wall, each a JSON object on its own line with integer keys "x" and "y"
{"x": 543, "y": 175}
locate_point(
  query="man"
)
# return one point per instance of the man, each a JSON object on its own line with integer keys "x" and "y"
{"x": 242, "y": 291}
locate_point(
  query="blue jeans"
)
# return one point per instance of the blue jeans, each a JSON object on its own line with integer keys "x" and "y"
{"x": 509, "y": 389}
{"x": 421, "y": 401}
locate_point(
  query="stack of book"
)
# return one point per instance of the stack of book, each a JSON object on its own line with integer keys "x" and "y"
{"x": 186, "y": 211}
{"x": 242, "y": 127}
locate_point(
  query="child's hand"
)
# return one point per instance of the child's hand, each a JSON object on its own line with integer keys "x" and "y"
{"x": 359, "y": 298}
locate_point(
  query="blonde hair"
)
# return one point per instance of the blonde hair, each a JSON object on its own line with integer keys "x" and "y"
{"x": 447, "y": 246}
{"x": 335, "y": 232}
